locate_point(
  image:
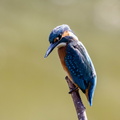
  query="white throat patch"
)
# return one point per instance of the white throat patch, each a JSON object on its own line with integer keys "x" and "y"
{"x": 61, "y": 45}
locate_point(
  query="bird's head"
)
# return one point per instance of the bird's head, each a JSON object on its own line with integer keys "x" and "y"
{"x": 55, "y": 37}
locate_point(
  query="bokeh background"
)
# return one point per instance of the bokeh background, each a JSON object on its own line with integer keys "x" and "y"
{"x": 33, "y": 88}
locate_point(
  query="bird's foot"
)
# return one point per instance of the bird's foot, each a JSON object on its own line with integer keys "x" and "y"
{"x": 72, "y": 90}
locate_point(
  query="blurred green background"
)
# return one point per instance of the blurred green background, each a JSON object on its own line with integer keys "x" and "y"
{"x": 33, "y": 88}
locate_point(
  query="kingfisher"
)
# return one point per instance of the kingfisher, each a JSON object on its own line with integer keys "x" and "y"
{"x": 74, "y": 59}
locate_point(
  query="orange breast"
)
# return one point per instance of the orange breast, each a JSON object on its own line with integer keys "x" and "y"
{"x": 62, "y": 54}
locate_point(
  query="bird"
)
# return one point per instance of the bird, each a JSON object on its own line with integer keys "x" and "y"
{"x": 74, "y": 59}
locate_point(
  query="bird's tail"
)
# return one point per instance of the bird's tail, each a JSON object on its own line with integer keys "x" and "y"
{"x": 89, "y": 94}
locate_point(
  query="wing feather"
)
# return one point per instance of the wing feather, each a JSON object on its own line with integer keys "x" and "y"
{"x": 79, "y": 64}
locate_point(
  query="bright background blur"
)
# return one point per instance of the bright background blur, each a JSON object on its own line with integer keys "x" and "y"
{"x": 33, "y": 88}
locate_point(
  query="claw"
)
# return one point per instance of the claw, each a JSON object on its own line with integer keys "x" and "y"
{"x": 72, "y": 90}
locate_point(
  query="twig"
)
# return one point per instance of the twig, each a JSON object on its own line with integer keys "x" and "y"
{"x": 80, "y": 109}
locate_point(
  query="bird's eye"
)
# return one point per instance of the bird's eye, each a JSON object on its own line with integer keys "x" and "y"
{"x": 57, "y": 38}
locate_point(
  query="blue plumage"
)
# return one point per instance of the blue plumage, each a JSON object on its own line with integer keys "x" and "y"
{"x": 80, "y": 67}
{"x": 59, "y": 30}
{"x": 74, "y": 58}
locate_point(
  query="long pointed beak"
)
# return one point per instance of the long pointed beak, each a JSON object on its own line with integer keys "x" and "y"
{"x": 50, "y": 49}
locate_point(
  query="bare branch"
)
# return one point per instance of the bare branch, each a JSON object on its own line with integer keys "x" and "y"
{"x": 80, "y": 109}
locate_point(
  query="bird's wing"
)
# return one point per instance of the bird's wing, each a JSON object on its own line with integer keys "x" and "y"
{"x": 79, "y": 65}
